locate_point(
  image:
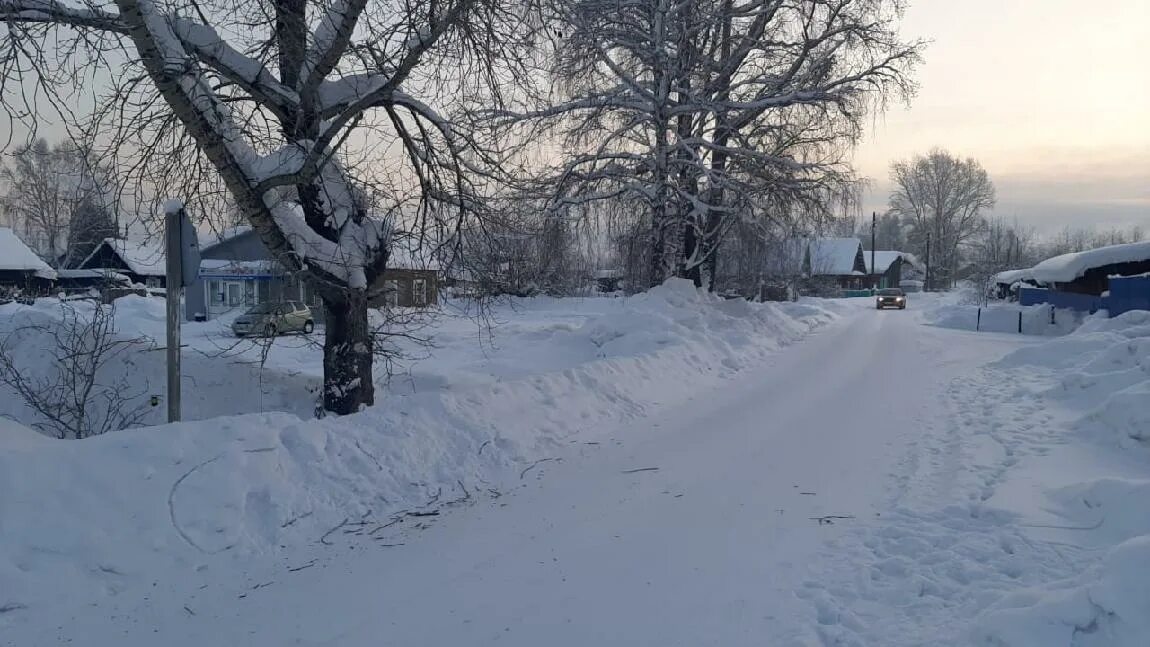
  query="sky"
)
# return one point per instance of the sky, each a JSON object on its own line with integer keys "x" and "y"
{"x": 1052, "y": 97}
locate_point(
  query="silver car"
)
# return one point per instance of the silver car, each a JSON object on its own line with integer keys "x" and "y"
{"x": 271, "y": 319}
{"x": 890, "y": 298}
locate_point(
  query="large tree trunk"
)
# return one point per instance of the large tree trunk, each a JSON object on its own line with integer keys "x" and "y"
{"x": 348, "y": 385}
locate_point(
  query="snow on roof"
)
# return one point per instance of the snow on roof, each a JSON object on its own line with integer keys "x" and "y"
{"x": 407, "y": 254}
{"x": 834, "y": 256}
{"x": 1010, "y": 277}
{"x": 882, "y": 260}
{"x": 608, "y": 274}
{"x": 141, "y": 258}
{"x": 91, "y": 274}
{"x": 221, "y": 267}
{"x": 15, "y": 255}
{"x": 1066, "y": 268}
{"x": 212, "y": 238}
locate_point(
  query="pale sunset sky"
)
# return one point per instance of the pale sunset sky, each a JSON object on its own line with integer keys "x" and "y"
{"x": 1051, "y": 96}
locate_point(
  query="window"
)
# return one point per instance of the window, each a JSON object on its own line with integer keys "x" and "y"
{"x": 216, "y": 296}
{"x": 419, "y": 292}
{"x": 391, "y": 293}
{"x": 249, "y": 293}
{"x": 235, "y": 294}
{"x": 152, "y": 281}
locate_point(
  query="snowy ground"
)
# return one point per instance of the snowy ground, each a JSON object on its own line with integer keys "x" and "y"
{"x": 679, "y": 478}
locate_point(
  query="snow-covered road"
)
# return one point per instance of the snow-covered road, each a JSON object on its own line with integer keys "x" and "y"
{"x": 701, "y": 528}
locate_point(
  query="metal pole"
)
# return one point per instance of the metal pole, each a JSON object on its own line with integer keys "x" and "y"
{"x": 873, "y": 269}
{"x": 173, "y": 227}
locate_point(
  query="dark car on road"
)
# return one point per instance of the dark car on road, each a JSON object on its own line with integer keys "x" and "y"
{"x": 890, "y": 298}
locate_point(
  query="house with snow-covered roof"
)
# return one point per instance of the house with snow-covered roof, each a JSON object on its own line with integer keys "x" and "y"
{"x": 143, "y": 263}
{"x": 887, "y": 269}
{"x": 836, "y": 260}
{"x": 20, "y": 268}
{"x": 237, "y": 272}
{"x": 1088, "y": 272}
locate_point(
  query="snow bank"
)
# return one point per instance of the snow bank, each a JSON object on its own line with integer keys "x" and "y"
{"x": 107, "y": 514}
{"x": 1111, "y": 610}
{"x": 1003, "y": 318}
{"x": 1101, "y": 373}
{"x": 1066, "y": 268}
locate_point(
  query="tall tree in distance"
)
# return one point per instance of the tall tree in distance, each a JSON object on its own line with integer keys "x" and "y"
{"x": 944, "y": 199}
{"x": 91, "y": 223}
{"x": 41, "y": 188}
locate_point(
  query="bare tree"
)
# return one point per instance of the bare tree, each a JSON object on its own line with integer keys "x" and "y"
{"x": 697, "y": 111}
{"x": 43, "y": 187}
{"x": 326, "y": 123}
{"x": 943, "y": 198}
{"x": 65, "y": 370}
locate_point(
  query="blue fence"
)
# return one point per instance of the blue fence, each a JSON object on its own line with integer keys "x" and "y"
{"x": 1126, "y": 293}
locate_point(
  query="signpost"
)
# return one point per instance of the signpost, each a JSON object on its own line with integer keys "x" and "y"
{"x": 182, "y": 259}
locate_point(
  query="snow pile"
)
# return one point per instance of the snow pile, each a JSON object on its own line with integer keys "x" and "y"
{"x": 1067, "y": 267}
{"x": 1001, "y": 317}
{"x": 107, "y": 514}
{"x": 1099, "y": 490}
{"x": 1111, "y": 610}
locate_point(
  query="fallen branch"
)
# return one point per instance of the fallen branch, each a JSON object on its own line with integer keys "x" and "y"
{"x": 829, "y": 519}
{"x": 1056, "y": 527}
{"x": 641, "y": 469}
{"x": 532, "y": 466}
{"x": 323, "y": 540}
{"x": 300, "y": 568}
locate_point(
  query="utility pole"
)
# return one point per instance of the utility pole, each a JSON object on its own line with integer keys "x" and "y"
{"x": 927, "y": 288}
{"x": 873, "y": 269}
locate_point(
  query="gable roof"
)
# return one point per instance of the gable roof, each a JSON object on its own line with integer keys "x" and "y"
{"x": 15, "y": 255}
{"x": 834, "y": 256}
{"x": 1067, "y": 267}
{"x": 213, "y": 238}
{"x": 884, "y": 259}
{"x": 140, "y": 258}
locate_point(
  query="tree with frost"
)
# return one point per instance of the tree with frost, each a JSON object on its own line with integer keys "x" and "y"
{"x": 944, "y": 199}
{"x": 42, "y": 189}
{"x": 704, "y": 110}
{"x": 325, "y": 122}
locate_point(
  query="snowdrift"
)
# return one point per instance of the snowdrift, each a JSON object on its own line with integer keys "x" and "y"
{"x": 1003, "y": 318}
{"x": 100, "y": 520}
{"x": 1105, "y": 361}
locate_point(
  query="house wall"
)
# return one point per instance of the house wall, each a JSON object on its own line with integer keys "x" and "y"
{"x": 248, "y": 247}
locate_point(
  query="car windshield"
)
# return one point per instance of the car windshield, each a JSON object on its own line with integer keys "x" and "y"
{"x": 890, "y": 293}
{"x": 262, "y": 309}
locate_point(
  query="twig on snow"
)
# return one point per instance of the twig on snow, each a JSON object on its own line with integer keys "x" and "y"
{"x": 323, "y": 540}
{"x": 531, "y": 466}
{"x": 300, "y": 568}
{"x": 828, "y": 520}
{"x": 641, "y": 469}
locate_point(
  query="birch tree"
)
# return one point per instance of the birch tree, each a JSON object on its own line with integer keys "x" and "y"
{"x": 323, "y": 121}
{"x": 945, "y": 198}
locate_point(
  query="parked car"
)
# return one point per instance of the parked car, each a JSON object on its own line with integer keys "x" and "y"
{"x": 890, "y": 298}
{"x": 277, "y": 318}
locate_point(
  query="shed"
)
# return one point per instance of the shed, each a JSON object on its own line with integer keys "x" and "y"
{"x": 889, "y": 267}
{"x": 141, "y": 262}
{"x": 1088, "y": 272}
{"x": 21, "y": 270}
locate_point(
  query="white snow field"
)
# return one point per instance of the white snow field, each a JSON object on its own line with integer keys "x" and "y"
{"x": 667, "y": 469}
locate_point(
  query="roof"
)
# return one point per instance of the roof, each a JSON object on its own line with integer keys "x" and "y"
{"x": 1010, "y": 277}
{"x": 212, "y": 238}
{"x": 1066, "y": 268}
{"x": 140, "y": 258}
{"x": 15, "y": 255}
{"x": 91, "y": 274}
{"x": 882, "y": 261}
{"x": 834, "y": 256}
{"x": 217, "y": 268}
{"x": 407, "y": 254}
